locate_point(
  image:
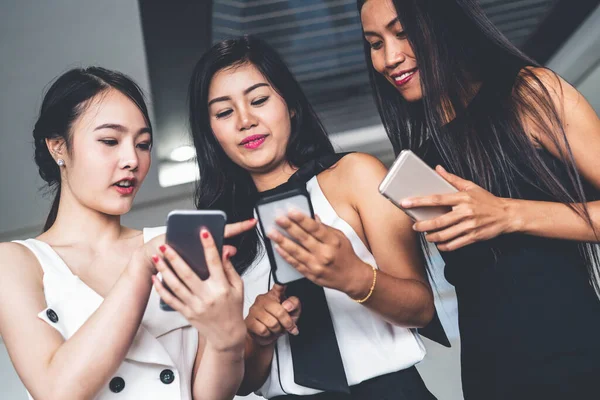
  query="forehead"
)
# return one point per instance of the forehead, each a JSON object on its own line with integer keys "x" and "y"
{"x": 234, "y": 80}
{"x": 111, "y": 106}
{"x": 376, "y": 14}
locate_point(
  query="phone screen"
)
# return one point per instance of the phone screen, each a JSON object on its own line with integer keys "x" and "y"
{"x": 268, "y": 210}
{"x": 183, "y": 235}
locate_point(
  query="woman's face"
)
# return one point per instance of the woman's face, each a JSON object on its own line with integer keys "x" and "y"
{"x": 109, "y": 155}
{"x": 391, "y": 53}
{"x": 249, "y": 119}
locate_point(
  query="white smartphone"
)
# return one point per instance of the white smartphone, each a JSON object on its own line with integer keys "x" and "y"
{"x": 267, "y": 210}
{"x": 410, "y": 176}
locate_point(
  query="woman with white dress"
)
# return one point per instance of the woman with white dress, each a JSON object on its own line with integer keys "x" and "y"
{"x": 77, "y": 311}
{"x": 254, "y": 132}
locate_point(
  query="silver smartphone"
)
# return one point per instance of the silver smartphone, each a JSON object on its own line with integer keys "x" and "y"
{"x": 410, "y": 176}
{"x": 183, "y": 235}
{"x": 267, "y": 210}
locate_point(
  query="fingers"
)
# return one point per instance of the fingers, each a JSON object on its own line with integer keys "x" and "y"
{"x": 278, "y": 291}
{"x": 230, "y": 273}
{"x": 439, "y": 223}
{"x": 455, "y": 180}
{"x": 436, "y": 200}
{"x": 295, "y": 231}
{"x": 211, "y": 254}
{"x": 181, "y": 291}
{"x": 293, "y": 307}
{"x": 290, "y": 260}
{"x": 166, "y": 296}
{"x": 282, "y": 317}
{"x": 459, "y": 242}
{"x": 236, "y": 228}
{"x": 452, "y": 232}
{"x": 309, "y": 225}
{"x": 295, "y": 250}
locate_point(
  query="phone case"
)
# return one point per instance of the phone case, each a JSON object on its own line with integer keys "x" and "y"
{"x": 183, "y": 235}
{"x": 267, "y": 210}
{"x": 410, "y": 176}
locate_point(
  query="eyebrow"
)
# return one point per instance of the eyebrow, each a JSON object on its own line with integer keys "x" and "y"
{"x": 121, "y": 128}
{"x": 388, "y": 26}
{"x": 248, "y": 90}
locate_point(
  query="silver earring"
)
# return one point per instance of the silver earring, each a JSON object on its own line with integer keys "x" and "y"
{"x": 60, "y": 162}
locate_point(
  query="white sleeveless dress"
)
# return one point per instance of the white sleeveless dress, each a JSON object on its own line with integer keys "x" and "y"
{"x": 160, "y": 361}
{"x": 369, "y": 345}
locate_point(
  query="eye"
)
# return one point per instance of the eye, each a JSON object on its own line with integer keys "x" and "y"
{"x": 145, "y": 146}
{"x": 401, "y": 35}
{"x": 224, "y": 114}
{"x": 376, "y": 45}
{"x": 109, "y": 142}
{"x": 260, "y": 101}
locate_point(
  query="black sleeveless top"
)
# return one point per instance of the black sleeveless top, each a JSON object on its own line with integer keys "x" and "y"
{"x": 529, "y": 318}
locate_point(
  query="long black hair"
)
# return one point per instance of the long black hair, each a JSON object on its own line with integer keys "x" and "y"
{"x": 63, "y": 104}
{"x": 457, "y": 47}
{"x": 223, "y": 184}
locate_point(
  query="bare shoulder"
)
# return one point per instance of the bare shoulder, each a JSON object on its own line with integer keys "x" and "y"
{"x": 546, "y": 81}
{"x": 359, "y": 168}
{"x": 18, "y": 263}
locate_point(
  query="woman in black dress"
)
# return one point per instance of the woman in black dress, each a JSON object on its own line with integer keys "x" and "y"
{"x": 522, "y": 146}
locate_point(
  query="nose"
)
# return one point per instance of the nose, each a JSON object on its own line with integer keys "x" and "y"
{"x": 129, "y": 157}
{"x": 394, "y": 56}
{"x": 246, "y": 119}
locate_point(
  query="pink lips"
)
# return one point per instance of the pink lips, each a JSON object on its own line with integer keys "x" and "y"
{"x": 253, "y": 142}
{"x": 407, "y": 79}
{"x": 124, "y": 190}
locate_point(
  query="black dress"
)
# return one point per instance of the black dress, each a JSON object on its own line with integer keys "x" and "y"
{"x": 529, "y": 318}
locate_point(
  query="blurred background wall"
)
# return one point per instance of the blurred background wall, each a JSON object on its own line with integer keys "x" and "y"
{"x": 157, "y": 44}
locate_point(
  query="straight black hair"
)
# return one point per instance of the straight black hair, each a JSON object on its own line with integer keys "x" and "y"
{"x": 456, "y": 47}
{"x": 223, "y": 184}
{"x": 63, "y": 104}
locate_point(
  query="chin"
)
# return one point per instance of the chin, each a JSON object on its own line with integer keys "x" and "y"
{"x": 259, "y": 163}
{"x": 116, "y": 209}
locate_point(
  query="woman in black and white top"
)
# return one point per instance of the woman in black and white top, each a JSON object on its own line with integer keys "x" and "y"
{"x": 254, "y": 130}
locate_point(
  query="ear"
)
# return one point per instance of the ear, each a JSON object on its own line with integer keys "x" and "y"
{"x": 57, "y": 147}
{"x": 292, "y": 113}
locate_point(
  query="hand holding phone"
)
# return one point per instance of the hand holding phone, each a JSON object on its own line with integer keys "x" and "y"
{"x": 212, "y": 306}
{"x": 268, "y": 209}
{"x": 410, "y": 176}
{"x": 183, "y": 236}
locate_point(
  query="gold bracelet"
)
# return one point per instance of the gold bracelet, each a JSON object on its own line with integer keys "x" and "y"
{"x": 372, "y": 287}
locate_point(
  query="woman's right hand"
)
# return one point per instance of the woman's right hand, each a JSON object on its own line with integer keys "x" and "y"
{"x": 272, "y": 315}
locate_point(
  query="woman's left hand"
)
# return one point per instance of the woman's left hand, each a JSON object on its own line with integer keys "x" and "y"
{"x": 213, "y": 306}
{"x": 476, "y": 214}
{"x": 323, "y": 254}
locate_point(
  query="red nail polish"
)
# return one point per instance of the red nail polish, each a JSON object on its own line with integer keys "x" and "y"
{"x": 162, "y": 248}
{"x": 205, "y": 234}
{"x": 155, "y": 258}
{"x": 253, "y": 220}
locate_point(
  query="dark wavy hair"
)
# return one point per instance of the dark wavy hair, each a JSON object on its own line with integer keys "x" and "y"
{"x": 64, "y": 102}
{"x": 223, "y": 184}
{"x": 456, "y": 46}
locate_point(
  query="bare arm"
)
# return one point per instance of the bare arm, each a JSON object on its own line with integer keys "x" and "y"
{"x": 582, "y": 128}
{"x": 49, "y": 366}
{"x": 217, "y": 372}
{"x": 214, "y": 308}
{"x": 271, "y": 316}
{"x": 478, "y": 215}
{"x": 402, "y": 294}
